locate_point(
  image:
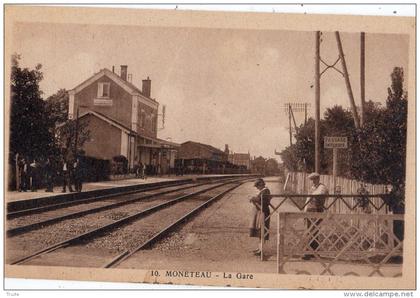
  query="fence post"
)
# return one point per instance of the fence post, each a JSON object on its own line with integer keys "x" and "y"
{"x": 278, "y": 242}
{"x": 281, "y": 227}
{"x": 262, "y": 229}
{"x": 390, "y": 225}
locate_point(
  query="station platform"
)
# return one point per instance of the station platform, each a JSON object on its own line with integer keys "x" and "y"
{"x": 22, "y": 200}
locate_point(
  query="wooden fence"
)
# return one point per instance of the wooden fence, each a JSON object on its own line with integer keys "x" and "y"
{"x": 299, "y": 183}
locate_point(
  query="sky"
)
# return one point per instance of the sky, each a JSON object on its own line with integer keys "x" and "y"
{"x": 220, "y": 86}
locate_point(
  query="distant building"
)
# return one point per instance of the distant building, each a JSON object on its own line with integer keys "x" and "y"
{"x": 243, "y": 160}
{"x": 122, "y": 120}
{"x": 201, "y": 158}
{"x": 258, "y": 165}
{"x": 240, "y": 159}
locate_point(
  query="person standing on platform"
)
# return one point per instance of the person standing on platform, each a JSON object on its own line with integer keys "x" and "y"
{"x": 65, "y": 175}
{"x": 263, "y": 197}
{"x": 23, "y": 172}
{"x": 17, "y": 171}
{"x": 78, "y": 174}
{"x": 141, "y": 170}
{"x": 314, "y": 204}
{"x": 137, "y": 169}
{"x": 49, "y": 175}
{"x": 34, "y": 175}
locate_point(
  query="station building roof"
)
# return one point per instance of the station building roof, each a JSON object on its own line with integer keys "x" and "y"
{"x": 154, "y": 142}
{"x": 205, "y": 146}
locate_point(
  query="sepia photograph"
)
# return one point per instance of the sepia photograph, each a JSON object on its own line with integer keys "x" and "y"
{"x": 255, "y": 150}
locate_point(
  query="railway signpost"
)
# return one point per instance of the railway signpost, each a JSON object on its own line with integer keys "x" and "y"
{"x": 335, "y": 143}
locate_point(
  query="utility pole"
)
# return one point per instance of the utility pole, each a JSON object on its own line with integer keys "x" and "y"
{"x": 345, "y": 74}
{"x": 317, "y": 100}
{"x": 362, "y": 78}
{"x": 290, "y": 125}
{"x": 291, "y": 108}
{"x": 347, "y": 80}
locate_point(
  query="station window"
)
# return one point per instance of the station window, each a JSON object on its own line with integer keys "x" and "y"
{"x": 104, "y": 90}
{"x": 153, "y": 123}
{"x": 142, "y": 119}
{"x": 150, "y": 123}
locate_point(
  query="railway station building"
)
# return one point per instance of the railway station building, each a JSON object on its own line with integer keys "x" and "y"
{"x": 122, "y": 120}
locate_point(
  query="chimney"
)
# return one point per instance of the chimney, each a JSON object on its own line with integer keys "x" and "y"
{"x": 147, "y": 85}
{"x": 226, "y": 148}
{"x": 124, "y": 72}
{"x": 113, "y": 69}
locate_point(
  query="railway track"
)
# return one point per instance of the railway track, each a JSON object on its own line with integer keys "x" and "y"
{"x": 54, "y": 206}
{"x": 54, "y": 215}
{"x": 149, "y": 242}
{"x": 184, "y": 206}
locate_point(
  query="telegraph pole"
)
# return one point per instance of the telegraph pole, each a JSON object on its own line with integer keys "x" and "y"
{"x": 290, "y": 125}
{"x": 345, "y": 74}
{"x": 362, "y": 77}
{"x": 317, "y": 100}
{"x": 290, "y": 108}
{"x": 347, "y": 80}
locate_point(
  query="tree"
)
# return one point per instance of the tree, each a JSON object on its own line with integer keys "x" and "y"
{"x": 64, "y": 130}
{"x": 301, "y": 156}
{"x": 272, "y": 167}
{"x": 383, "y": 139}
{"x": 57, "y": 107}
{"x": 29, "y": 130}
{"x": 290, "y": 158}
{"x": 395, "y": 133}
{"x": 65, "y": 138}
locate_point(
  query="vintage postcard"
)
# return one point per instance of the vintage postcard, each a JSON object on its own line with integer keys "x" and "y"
{"x": 255, "y": 150}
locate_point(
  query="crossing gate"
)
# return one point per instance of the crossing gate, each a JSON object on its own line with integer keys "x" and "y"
{"x": 328, "y": 243}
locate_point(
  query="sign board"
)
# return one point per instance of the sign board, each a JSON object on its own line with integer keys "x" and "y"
{"x": 102, "y": 102}
{"x": 335, "y": 142}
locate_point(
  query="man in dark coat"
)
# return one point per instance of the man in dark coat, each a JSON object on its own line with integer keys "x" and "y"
{"x": 49, "y": 175}
{"x": 23, "y": 172}
{"x": 397, "y": 206}
{"x": 65, "y": 175}
{"x": 78, "y": 173}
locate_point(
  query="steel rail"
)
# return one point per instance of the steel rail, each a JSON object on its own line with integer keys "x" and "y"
{"x": 161, "y": 234}
{"x": 33, "y": 226}
{"x": 381, "y": 195}
{"x": 15, "y": 214}
{"x": 98, "y": 231}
